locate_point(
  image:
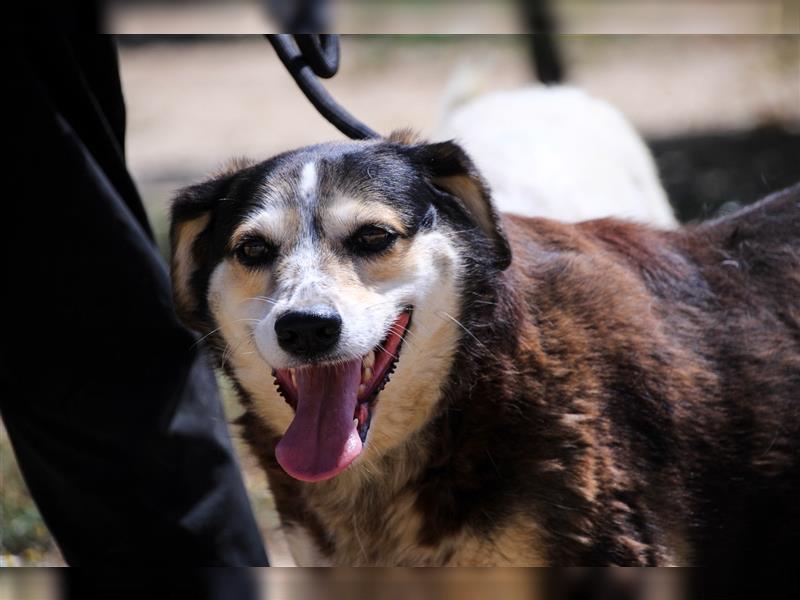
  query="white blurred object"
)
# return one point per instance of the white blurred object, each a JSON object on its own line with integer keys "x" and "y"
{"x": 557, "y": 152}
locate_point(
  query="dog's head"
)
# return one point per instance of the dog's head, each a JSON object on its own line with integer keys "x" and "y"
{"x": 325, "y": 271}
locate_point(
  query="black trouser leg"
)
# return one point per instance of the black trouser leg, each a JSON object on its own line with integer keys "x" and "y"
{"x": 111, "y": 408}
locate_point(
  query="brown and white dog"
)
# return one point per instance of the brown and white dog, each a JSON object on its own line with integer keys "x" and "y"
{"x": 614, "y": 394}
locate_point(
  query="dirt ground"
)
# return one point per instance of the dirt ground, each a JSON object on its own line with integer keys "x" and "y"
{"x": 193, "y": 105}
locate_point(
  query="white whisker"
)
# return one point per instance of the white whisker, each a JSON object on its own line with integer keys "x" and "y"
{"x": 213, "y": 331}
{"x": 262, "y": 299}
{"x": 394, "y": 356}
{"x": 229, "y": 350}
{"x": 468, "y": 332}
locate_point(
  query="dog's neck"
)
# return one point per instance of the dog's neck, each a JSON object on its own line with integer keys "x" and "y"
{"x": 491, "y": 324}
{"x": 420, "y": 474}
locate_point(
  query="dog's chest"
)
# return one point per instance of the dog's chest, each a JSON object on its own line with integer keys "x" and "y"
{"x": 390, "y": 534}
{"x": 368, "y": 531}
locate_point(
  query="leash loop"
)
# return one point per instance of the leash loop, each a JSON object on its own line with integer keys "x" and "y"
{"x": 321, "y": 52}
{"x": 308, "y": 56}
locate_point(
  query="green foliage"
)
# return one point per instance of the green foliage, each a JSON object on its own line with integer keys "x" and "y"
{"x": 22, "y": 531}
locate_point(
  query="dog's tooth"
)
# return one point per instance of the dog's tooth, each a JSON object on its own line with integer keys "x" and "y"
{"x": 361, "y": 389}
{"x": 294, "y": 377}
{"x": 369, "y": 359}
{"x": 366, "y": 374}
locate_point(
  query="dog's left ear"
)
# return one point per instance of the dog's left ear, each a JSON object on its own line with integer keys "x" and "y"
{"x": 192, "y": 216}
{"x": 192, "y": 212}
{"x": 451, "y": 171}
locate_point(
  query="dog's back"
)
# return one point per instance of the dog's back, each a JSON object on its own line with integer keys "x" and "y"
{"x": 751, "y": 261}
{"x": 615, "y": 394}
{"x": 694, "y": 339}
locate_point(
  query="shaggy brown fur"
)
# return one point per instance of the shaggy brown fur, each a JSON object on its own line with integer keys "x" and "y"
{"x": 635, "y": 393}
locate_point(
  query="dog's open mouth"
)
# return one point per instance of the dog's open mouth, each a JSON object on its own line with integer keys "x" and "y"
{"x": 333, "y": 406}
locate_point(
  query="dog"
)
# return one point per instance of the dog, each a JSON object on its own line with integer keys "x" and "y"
{"x": 427, "y": 381}
{"x": 541, "y": 148}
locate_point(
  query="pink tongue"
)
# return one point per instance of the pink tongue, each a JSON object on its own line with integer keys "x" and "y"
{"x": 322, "y": 439}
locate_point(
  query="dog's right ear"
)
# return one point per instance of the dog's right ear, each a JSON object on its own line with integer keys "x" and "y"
{"x": 454, "y": 174}
{"x": 192, "y": 216}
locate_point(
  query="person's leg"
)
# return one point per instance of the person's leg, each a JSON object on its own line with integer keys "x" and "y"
{"x": 111, "y": 408}
{"x": 216, "y": 583}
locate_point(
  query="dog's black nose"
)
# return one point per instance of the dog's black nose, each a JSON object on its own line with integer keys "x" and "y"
{"x": 308, "y": 333}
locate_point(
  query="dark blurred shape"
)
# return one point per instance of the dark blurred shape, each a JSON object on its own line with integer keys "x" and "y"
{"x": 163, "y": 584}
{"x": 300, "y": 16}
{"x": 68, "y": 16}
{"x": 110, "y": 405}
{"x": 540, "y": 22}
{"x": 574, "y": 583}
{"x": 595, "y": 584}
{"x": 299, "y": 65}
{"x": 321, "y": 52}
{"x": 476, "y": 584}
{"x": 704, "y": 172}
{"x": 742, "y": 584}
{"x": 404, "y": 584}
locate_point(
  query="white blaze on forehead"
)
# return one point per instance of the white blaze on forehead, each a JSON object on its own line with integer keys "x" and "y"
{"x": 308, "y": 182}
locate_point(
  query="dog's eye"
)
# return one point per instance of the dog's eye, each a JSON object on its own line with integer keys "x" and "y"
{"x": 371, "y": 239}
{"x": 254, "y": 252}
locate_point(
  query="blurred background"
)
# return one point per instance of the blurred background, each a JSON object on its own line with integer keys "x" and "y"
{"x": 720, "y": 112}
{"x": 453, "y": 16}
{"x": 354, "y": 584}
{"x": 714, "y": 89}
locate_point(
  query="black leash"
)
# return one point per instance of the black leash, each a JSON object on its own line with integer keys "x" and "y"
{"x": 308, "y": 56}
